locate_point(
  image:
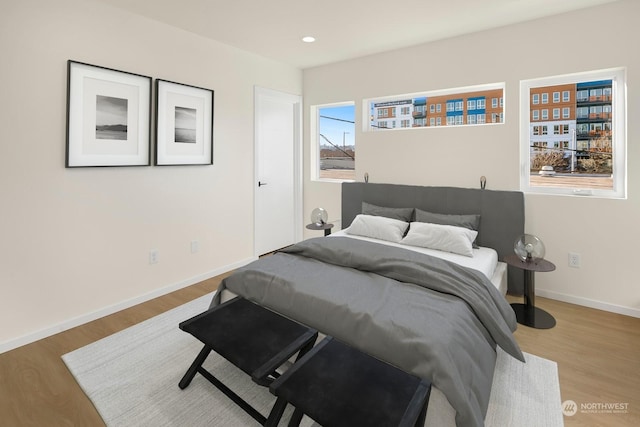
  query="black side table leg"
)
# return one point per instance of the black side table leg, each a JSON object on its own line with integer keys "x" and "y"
{"x": 193, "y": 369}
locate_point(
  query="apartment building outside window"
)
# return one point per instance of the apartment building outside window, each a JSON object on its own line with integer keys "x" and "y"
{"x": 450, "y": 107}
{"x": 587, "y": 144}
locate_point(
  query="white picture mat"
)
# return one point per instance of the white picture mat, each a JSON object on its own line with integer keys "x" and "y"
{"x": 84, "y": 149}
{"x": 168, "y": 151}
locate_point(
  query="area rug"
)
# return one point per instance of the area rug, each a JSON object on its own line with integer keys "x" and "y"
{"x": 132, "y": 378}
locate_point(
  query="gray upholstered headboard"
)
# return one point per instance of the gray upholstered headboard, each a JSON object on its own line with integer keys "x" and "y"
{"x": 501, "y": 212}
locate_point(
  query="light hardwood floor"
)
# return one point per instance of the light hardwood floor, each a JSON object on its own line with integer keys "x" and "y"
{"x": 598, "y": 356}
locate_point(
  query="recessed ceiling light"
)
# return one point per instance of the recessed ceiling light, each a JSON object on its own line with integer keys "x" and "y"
{"x": 308, "y": 39}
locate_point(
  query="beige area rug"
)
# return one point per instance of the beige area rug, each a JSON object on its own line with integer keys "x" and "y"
{"x": 132, "y": 379}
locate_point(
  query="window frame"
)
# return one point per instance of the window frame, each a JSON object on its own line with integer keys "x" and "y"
{"x": 618, "y": 124}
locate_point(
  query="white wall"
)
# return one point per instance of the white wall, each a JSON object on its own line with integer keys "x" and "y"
{"x": 74, "y": 243}
{"x": 604, "y": 232}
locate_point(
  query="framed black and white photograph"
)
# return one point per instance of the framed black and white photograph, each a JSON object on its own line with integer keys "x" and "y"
{"x": 108, "y": 117}
{"x": 184, "y": 120}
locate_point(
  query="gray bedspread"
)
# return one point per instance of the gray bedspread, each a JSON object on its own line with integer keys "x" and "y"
{"x": 428, "y": 316}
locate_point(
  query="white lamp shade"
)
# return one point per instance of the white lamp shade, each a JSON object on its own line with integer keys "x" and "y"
{"x": 529, "y": 248}
{"x": 319, "y": 216}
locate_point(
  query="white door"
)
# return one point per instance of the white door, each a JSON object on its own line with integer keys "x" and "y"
{"x": 278, "y": 176}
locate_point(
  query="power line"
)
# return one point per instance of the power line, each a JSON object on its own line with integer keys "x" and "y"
{"x": 337, "y": 119}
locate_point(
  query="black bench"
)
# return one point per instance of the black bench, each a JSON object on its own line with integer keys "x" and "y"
{"x": 339, "y": 386}
{"x": 256, "y": 340}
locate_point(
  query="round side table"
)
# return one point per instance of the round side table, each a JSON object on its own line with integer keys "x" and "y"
{"x": 528, "y": 314}
{"x": 326, "y": 227}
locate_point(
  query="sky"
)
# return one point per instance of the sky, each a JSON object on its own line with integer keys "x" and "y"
{"x": 185, "y": 118}
{"x": 334, "y": 129}
{"x": 111, "y": 111}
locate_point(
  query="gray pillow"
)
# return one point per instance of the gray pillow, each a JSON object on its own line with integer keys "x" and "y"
{"x": 472, "y": 221}
{"x": 403, "y": 214}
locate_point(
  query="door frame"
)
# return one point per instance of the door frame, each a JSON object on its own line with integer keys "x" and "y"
{"x": 296, "y": 102}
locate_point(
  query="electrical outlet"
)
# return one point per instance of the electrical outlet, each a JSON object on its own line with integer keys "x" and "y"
{"x": 154, "y": 256}
{"x": 574, "y": 260}
{"x": 195, "y": 246}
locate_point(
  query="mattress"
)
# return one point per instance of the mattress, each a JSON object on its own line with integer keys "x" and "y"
{"x": 484, "y": 259}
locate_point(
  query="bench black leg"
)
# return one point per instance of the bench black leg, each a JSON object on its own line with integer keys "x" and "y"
{"x": 193, "y": 369}
{"x": 422, "y": 418}
{"x": 276, "y": 413}
{"x": 233, "y": 396}
{"x": 296, "y": 418}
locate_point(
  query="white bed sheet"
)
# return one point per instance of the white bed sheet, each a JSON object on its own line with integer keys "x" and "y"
{"x": 484, "y": 259}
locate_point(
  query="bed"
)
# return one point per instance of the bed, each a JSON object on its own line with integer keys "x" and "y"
{"x": 429, "y": 316}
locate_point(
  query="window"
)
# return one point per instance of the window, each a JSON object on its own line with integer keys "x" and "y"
{"x": 582, "y": 95}
{"x": 545, "y": 114}
{"x": 535, "y": 115}
{"x": 582, "y": 112}
{"x": 556, "y": 113}
{"x": 545, "y": 98}
{"x": 588, "y": 151}
{"x": 560, "y": 129}
{"x": 556, "y": 97}
{"x": 451, "y": 107}
{"x": 333, "y": 154}
{"x": 535, "y": 99}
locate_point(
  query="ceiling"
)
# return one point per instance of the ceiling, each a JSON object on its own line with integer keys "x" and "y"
{"x": 343, "y": 29}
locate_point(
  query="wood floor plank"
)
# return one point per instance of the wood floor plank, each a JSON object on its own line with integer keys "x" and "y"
{"x": 597, "y": 354}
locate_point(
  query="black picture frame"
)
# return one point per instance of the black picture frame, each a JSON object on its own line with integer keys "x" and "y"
{"x": 108, "y": 117}
{"x": 184, "y": 124}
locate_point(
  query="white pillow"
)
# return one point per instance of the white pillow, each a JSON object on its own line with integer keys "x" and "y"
{"x": 378, "y": 227}
{"x": 448, "y": 238}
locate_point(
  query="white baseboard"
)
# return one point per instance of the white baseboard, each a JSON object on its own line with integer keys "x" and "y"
{"x": 85, "y": 318}
{"x": 614, "y": 308}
